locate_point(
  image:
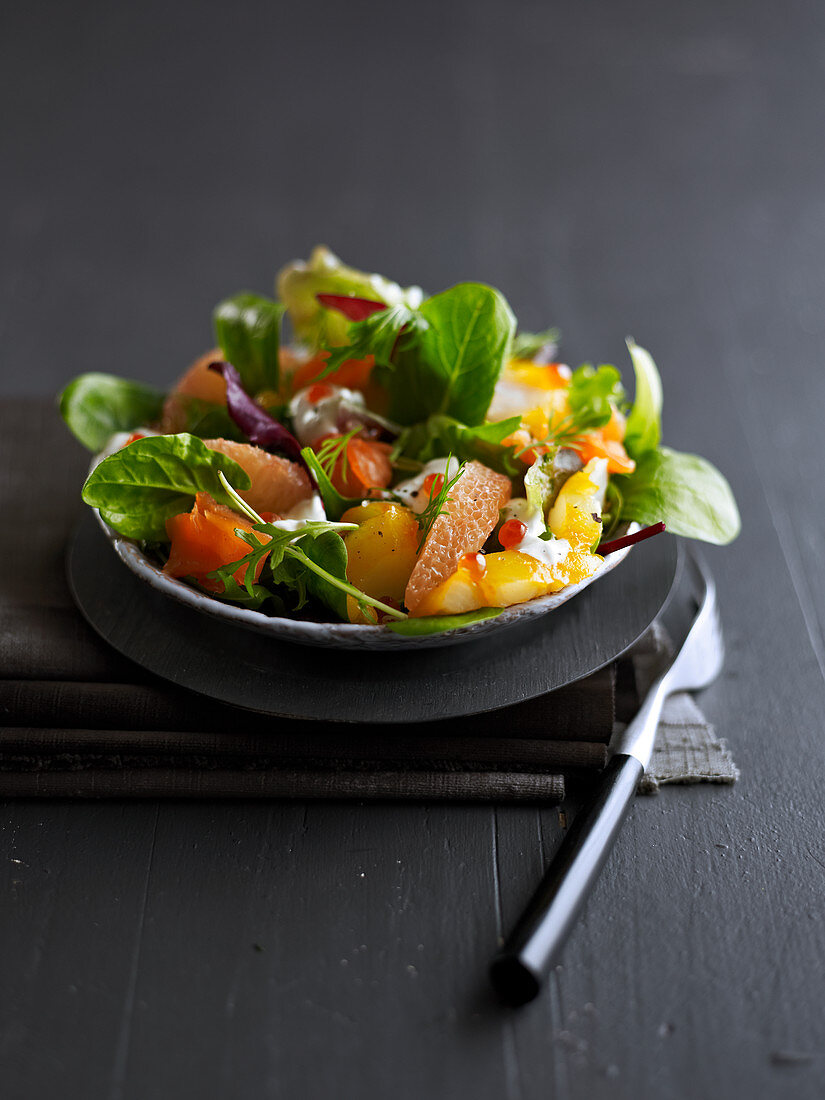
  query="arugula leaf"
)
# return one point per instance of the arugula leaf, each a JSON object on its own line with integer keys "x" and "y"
{"x": 527, "y": 345}
{"x": 437, "y": 624}
{"x": 593, "y": 392}
{"x": 252, "y": 599}
{"x": 376, "y": 335}
{"x": 95, "y": 406}
{"x": 439, "y": 435}
{"x": 248, "y": 330}
{"x": 449, "y": 362}
{"x": 644, "y": 423}
{"x": 140, "y": 486}
{"x": 328, "y": 551}
{"x": 685, "y": 491}
{"x": 334, "y": 504}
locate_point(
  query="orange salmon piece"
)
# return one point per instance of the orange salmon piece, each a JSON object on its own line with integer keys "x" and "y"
{"x": 204, "y": 539}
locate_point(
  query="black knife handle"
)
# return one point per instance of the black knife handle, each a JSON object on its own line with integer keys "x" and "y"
{"x": 534, "y": 944}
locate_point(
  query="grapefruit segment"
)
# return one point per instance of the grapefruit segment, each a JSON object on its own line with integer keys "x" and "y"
{"x": 199, "y": 383}
{"x": 277, "y": 484}
{"x": 472, "y": 513}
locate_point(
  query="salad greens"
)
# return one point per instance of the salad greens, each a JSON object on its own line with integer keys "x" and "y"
{"x": 334, "y": 503}
{"x": 248, "y": 331}
{"x": 685, "y": 491}
{"x": 644, "y": 424}
{"x": 140, "y": 486}
{"x": 95, "y": 406}
{"x": 437, "y": 624}
{"x": 593, "y": 394}
{"x": 450, "y": 360}
{"x": 532, "y": 345}
{"x": 427, "y": 370}
{"x": 298, "y": 285}
{"x": 279, "y": 550}
{"x": 439, "y": 435}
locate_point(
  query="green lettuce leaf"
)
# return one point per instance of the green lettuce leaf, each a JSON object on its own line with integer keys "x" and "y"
{"x": 450, "y": 361}
{"x": 95, "y": 406}
{"x": 140, "y": 486}
{"x": 299, "y": 282}
{"x": 592, "y": 394}
{"x": 644, "y": 422}
{"x": 248, "y": 330}
{"x": 437, "y": 624}
{"x": 527, "y": 345}
{"x": 686, "y": 491}
{"x": 442, "y": 435}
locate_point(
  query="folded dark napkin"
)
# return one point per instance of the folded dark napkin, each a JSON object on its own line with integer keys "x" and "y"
{"x": 79, "y": 720}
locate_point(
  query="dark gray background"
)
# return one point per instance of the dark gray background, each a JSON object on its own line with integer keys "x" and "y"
{"x": 650, "y": 168}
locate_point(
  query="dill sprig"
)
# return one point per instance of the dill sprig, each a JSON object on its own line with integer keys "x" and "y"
{"x": 334, "y": 449}
{"x": 437, "y": 503}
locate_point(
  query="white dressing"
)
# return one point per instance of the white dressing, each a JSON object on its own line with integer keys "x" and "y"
{"x": 312, "y": 420}
{"x": 550, "y": 551}
{"x": 409, "y": 491}
{"x": 312, "y": 508}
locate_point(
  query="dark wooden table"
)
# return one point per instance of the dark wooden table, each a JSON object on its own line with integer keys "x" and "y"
{"x": 644, "y": 168}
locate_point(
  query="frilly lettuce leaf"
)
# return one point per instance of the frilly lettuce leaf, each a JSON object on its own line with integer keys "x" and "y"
{"x": 299, "y": 282}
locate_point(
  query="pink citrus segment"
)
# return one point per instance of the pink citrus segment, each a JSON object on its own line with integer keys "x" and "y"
{"x": 472, "y": 513}
{"x": 198, "y": 382}
{"x": 277, "y": 484}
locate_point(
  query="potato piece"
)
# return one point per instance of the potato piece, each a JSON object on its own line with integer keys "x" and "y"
{"x": 381, "y": 553}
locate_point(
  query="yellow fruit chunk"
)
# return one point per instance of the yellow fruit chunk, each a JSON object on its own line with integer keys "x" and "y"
{"x": 540, "y": 376}
{"x": 381, "y": 553}
{"x": 576, "y": 513}
{"x": 510, "y": 577}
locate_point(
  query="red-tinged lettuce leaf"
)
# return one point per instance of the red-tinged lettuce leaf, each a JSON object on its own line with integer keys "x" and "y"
{"x": 354, "y": 309}
{"x": 256, "y": 423}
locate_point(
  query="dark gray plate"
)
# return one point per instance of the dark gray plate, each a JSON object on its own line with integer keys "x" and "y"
{"x": 250, "y": 670}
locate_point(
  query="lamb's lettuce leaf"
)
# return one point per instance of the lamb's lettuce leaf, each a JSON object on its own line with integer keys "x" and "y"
{"x": 248, "y": 330}
{"x": 685, "y": 491}
{"x": 644, "y": 422}
{"x": 95, "y": 406}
